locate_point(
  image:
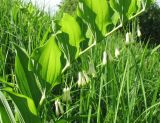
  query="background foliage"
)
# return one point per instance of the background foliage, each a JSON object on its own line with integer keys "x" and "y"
{"x": 150, "y": 24}
{"x": 68, "y": 6}
{"x": 148, "y": 21}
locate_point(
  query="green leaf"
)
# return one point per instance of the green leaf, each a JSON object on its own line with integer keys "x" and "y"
{"x": 25, "y": 106}
{"x": 61, "y": 121}
{"x": 97, "y": 14}
{"x": 115, "y": 18}
{"x": 47, "y": 63}
{"x": 6, "y": 115}
{"x": 26, "y": 79}
{"x": 74, "y": 36}
{"x": 121, "y": 7}
{"x": 132, "y": 8}
{"x": 1, "y": 61}
{"x": 2, "y": 81}
{"x": 3, "y": 115}
{"x": 139, "y": 5}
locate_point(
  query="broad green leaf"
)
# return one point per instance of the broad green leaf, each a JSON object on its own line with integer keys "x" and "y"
{"x": 26, "y": 79}
{"x": 6, "y": 115}
{"x": 47, "y": 63}
{"x": 115, "y": 18}
{"x": 74, "y": 36}
{"x": 121, "y": 7}
{"x": 139, "y": 5}
{"x": 25, "y": 106}
{"x": 97, "y": 14}
{"x": 143, "y": 4}
{"x": 132, "y": 8}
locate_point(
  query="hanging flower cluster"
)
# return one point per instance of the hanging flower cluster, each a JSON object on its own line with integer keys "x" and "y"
{"x": 58, "y": 108}
{"x": 83, "y": 79}
{"x": 66, "y": 95}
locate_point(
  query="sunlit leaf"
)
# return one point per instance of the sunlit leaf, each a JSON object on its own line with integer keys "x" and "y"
{"x": 47, "y": 63}
{"x": 121, "y": 7}
{"x": 97, "y": 15}
{"x": 132, "y": 8}
{"x": 72, "y": 35}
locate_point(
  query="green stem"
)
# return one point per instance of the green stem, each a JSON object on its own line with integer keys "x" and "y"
{"x": 140, "y": 12}
{"x": 99, "y": 102}
{"x": 147, "y": 110}
{"x": 115, "y": 29}
{"x": 120, "y": 92}
{"x": 92, "y": 45}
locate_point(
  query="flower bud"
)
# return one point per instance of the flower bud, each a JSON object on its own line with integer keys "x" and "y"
{"x": 66, "y": 95}
{"x": 117, "y": 52}
{"x": 127, "y": 38}
{"x": 138, "y": 32}
{"x": 80, "y": 79}
{"x": 104, "y": 60}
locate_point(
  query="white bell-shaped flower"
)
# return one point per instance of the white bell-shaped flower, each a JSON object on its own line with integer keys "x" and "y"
{"x": 138, "y": 32}
{"x": 92, "y": 70}
{"x": 104, "y": 60}
{"x": 80, "y": 79}
{"x": 56, "y": 108}
{"x": 117, "y": 52}
{"x": 127, "y": 38}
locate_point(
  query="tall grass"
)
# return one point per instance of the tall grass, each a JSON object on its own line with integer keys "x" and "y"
{"x": 24, "y": 25}
{"x": 125, "y": 90}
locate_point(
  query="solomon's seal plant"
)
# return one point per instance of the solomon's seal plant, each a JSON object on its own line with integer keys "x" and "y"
{"x": 37, "y": 74}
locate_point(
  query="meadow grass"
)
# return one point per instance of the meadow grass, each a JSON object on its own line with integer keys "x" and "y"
{"x": 124, "y": 90}
{"x": 24, "y": 25}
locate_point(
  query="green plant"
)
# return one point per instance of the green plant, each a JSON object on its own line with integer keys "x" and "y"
{"x": 37, "y": 73}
